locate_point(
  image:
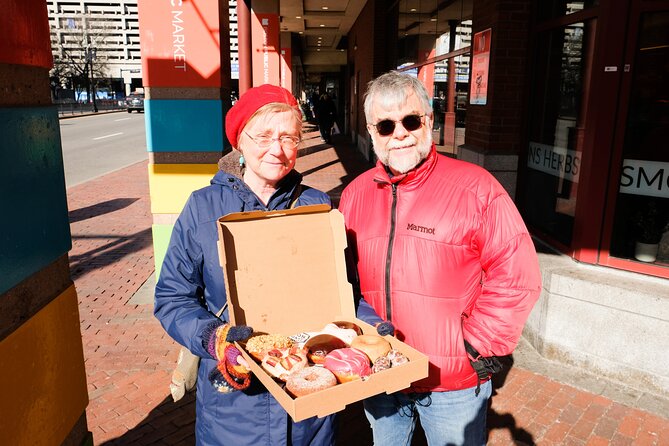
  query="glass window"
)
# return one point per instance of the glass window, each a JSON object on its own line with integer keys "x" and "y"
{"x": 549, "y": 9}
{"x": 556, "y": 129}
{"x": 642, "y": 204}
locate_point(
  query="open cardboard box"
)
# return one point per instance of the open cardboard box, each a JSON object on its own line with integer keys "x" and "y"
{"x": 286, "y": 274}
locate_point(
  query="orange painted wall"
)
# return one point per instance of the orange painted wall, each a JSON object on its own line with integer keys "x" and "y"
{"x": 44, "y": 391}
{"x": 24, "y": 33}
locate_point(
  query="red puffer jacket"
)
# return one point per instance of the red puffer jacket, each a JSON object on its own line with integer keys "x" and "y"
{"x": 443, "y": 253}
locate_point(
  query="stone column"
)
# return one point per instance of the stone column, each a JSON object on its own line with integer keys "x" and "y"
{"x": 44, "y": 396}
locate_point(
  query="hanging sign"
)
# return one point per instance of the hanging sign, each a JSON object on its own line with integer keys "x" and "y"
{"x": 478, "y": 86}
{"x": 286, "y": 72}
{"x": 265, "y": 51}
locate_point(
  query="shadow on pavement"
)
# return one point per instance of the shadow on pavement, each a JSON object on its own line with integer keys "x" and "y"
{"x": 168, "y": 423}
{"x": 100, "y": 208}
{"x": 108, "y": 253}
{"x": 497, "y": 421}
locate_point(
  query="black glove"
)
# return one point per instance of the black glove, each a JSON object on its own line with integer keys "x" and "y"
{"x": 238, "y": 333}
{"x": 385, "y": 328}
{"x": 483, "y": 366}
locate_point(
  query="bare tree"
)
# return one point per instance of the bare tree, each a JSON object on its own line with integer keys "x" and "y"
{"x": 77, "y": 64}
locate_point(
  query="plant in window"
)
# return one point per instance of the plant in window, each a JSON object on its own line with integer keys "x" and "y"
{"x": 649, "y": 223}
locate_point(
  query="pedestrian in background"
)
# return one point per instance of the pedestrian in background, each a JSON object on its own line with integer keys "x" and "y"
{"x": 443, "y": 254}
{"x": 326, "y": 113}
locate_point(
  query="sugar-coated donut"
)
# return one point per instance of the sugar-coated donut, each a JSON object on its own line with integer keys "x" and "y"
{"x": 309, "y": 380}
{"x": 373, "y": 345}
{"x": 348, "y": 364}
{"x": 281, "y": 363}
{"x": 320, "y": 345}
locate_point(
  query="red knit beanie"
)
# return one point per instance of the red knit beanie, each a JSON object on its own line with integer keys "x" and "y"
{"x": 249, "y": 103}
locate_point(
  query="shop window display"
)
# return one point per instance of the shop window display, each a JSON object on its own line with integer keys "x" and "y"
{"x": 641, "y": 219}
{"x": 557, "y": 126}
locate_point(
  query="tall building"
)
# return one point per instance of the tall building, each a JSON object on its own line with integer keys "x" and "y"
{"x": 108, "y": 32}
{"x": 104, "y": 33}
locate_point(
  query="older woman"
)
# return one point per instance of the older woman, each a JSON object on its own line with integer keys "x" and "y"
{"x": 232, "y": 406}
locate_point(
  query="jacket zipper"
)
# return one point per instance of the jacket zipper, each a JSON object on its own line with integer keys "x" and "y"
{"x": 391, "y": 240}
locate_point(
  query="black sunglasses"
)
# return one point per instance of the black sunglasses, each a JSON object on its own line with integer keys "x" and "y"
{"x": 409, "y": 122}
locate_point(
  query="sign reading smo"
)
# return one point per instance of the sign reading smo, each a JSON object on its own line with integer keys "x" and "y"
{"x": 642, "y": 177}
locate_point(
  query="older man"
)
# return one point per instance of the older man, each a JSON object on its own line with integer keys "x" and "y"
{"x": 442, "y": 254}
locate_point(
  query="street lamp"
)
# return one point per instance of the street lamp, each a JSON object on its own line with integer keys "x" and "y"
{"x": 90, "y": 55}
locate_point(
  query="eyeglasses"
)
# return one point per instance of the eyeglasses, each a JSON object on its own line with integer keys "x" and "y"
{"x": 286, "y": 141}
{"x": 409, "y": 122}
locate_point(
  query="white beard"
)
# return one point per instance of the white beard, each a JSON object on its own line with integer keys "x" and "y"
{"x": 405, "y": 163}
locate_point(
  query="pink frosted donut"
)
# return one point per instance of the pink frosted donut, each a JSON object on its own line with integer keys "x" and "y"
{"x": 310, "y": 380}
{"x": 348, "y": 364}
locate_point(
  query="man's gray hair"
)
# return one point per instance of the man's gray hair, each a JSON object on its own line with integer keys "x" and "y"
{"x": 391, "y": 89}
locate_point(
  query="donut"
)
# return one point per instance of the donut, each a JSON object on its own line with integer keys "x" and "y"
{"x": 346, "y": 325}
{"x": 259, "y": 344}
{"x": 348, "y": 364}
{"x": 381, "y": 363}
{"x": 309, "y": 380}
{"x": 373, "y": 345}
{"x": 345, "y": 334}
{"x": 282, "y": 362}
{"x": 396, "y": 358}
{"x": 320, "y": 345}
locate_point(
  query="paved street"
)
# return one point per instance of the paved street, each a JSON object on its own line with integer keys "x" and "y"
{"x": 97, "y": 144}
{"x": 129, "y": 358}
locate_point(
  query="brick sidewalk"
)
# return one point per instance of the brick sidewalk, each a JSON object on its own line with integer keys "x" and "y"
{"x": 129, "y": 357}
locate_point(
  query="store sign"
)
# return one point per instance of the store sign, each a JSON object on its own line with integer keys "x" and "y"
{"x": 642, "y": 177}
{"x": 556, "y": 161}
{"x": 478, "y": 88}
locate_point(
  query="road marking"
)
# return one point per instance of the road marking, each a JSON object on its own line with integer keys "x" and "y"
{"x": 107, "y": 136}
{"x": 122, "y": 119}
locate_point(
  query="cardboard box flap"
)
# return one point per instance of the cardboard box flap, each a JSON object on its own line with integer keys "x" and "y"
{"x": 285, "y": 270}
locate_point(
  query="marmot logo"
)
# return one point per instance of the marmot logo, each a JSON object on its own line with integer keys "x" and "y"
{"x": 413, "y": 227}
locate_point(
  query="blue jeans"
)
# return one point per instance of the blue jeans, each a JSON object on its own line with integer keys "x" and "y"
{"x": 448, "y": 418}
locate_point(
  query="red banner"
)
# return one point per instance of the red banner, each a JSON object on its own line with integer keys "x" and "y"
{"x": 478, "y": 86}
{"x": 265, "y": 51}
{"x": 180, "y": 43}
{"x": 286, "y": 71}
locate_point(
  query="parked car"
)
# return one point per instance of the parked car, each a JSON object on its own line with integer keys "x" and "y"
{"x": 135, "y": 101}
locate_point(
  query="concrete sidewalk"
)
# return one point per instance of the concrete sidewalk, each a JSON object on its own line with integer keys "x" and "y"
{"x": 129, "y": 357}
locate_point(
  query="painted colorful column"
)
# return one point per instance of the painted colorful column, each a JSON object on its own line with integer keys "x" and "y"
{"x": 186, "y": 69}
{"x": 44, "y": 394}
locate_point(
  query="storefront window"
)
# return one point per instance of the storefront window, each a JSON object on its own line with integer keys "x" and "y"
{"x": 556, "y": 130}
{"x": 549, "y": 9}
{"x": 642, "y": 204}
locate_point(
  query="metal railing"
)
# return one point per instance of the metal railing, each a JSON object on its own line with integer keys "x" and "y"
{"x": 70, "y": 108}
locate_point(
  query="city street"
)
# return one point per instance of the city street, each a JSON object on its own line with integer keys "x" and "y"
{"x": 94, "y": 145}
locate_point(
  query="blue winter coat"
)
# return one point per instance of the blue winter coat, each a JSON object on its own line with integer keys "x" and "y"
{"x": 191, "y": 290}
